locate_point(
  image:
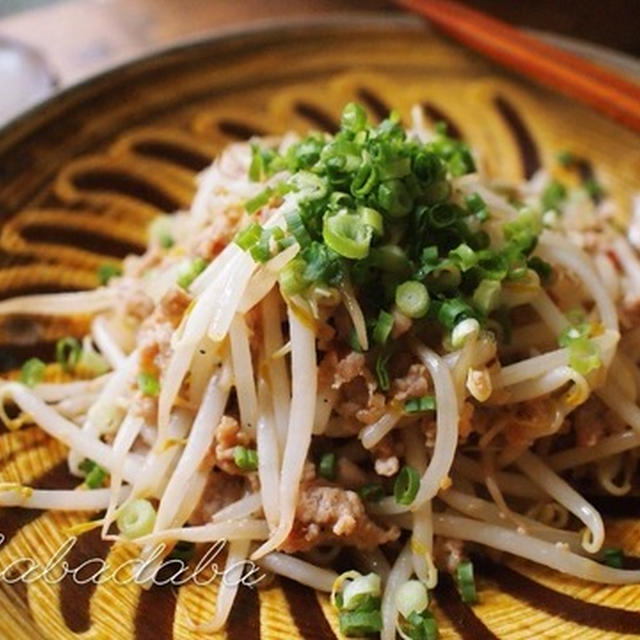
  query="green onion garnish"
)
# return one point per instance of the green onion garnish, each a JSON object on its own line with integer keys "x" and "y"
{"x": 466, "y": 582}
{"x": 327, "y": 466}
{"x": 347, "y": 235}
{"x": 554, "y": 195}
{"x": 360, "y": 623}
{"x": 108, "y": 271}
{"x": 94, "y": 473}
{"x": 613, "y": 558}
{"x": 245, "y": 459}
{"x": 68, "y": 352}
{"x": 189, "y": 271}
{"x": 565, "y": 158}
{"x": 412, "y": 299}
{"x": 383, "y": 327}
{"x": 249, "y": 236}
{"x": 371, "y": 492}
{"x": 419, "y": 405}
{"x": 166, "y": 240}
{"x": 381, "y": 372}
{"x": 406, "y": 485}
{"x": 421, "y": 626}
{"x": 32, "y": 372}
{"x": 148, "y": 384}
{"x": 137, "y": 519}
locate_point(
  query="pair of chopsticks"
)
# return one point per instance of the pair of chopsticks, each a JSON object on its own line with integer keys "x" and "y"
{"x": 602, "y": 89}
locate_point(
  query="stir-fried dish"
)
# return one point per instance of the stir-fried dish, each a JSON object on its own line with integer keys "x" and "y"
{"x": 355, "y": 350}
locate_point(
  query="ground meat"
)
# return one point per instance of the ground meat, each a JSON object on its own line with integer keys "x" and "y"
{"x": 173, "y": 305}
{"x": 221, "y": 490}
{"x": 154, "y": 337}
{"x": 154, "y": 342}
{"x": 358, "y": 398}
{"x": 228, "y": 437}
{"x": 387, "y": 453}
{"x": 415, "y": 384}
{"x": 349, "y": 368}
{"x": 214, "y": 238}
{"x": 331, "y": 515}
{"x": 146, "y": 407}
{"x": 359, "y": 401}
{"x": 132, "y": 301}
{"x": 136, "y": 266}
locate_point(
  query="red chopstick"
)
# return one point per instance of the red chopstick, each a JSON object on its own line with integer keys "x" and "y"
{"x": 602, "y": 89}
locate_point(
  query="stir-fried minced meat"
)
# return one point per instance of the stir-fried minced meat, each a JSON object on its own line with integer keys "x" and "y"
{"x": 592, "y": 421}
{"x": 154, "y": 337}
{"x": 133, "y": 303}
{"x": 357, "y": 398}
{"x": 228, "y": 436}
{"x": 330, "y": 515}
{"x": 386, "y": 455}
{"x": 415, "y": 384}
{"x": 221, "y": 490}
{"x": 214, "y": 238}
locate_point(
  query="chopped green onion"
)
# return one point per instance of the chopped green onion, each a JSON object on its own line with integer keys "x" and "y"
{"x": 68, "y": 351}
{"x": 353, "y": 118}
{"x": 554, "y": 195}
{"x": 462, "y": 331}
{"x": 347, "y": 235}
{"x": 421, "y": 626}
{"x": 390, "y": 258}
{"x": 466, "y": 582}
{"x": 166, "y": 240}
{"x": 394, "y": 198}
{"x": 464, "y": 257}
{"x": 419, "y": 405}
{"x": 412, "y": 299}
{"x": 487, "y": 295}
{"x": 91, "y": 360}
{"x": 148, "y": 384}
{"x": 94, "y": 474}
{"x": 32, "y": 372}
{"x": 364, "y": 181}
{"x": 360, "y": 623}
{"x": 245, "y": 459}
{"x": 189, "y": 270}
{"x": 327, "y": 466}
{"x": 453, "y": 311}
{"x": 182, "y": 550}
{"x": 411, "y": 597}
{"x": 383, "y": 327}
{"x": 249, "y": 236}
{"x": 371, "y": 218}
{"x": 443, "y": 215}
{"x": 542, "y": 268}
{"x": 381, "y": 372}
{"x": 371, "y": 492}
{"x": 406, "y": 485}
{"x": 108, "y": 271}
{"x": 475, "y": 203}
{"x": 355, "y": 591}
{"x": 257, "y": 202}
{"x": 593, "y": 188}
{"x": 292, "y": 277}
{"x": 613, "y": 558}
{"x": 137, "y": 519}
{"x": 584, "y": 356}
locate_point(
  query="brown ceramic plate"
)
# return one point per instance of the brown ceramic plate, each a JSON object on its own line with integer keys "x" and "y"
{"x": 80, "y": 178}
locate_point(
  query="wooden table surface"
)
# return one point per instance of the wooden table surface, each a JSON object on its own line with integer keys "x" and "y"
{"x": 80, "y": 37}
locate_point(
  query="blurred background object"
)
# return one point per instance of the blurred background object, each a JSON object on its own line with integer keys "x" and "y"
{"x": 77, "y": 38}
